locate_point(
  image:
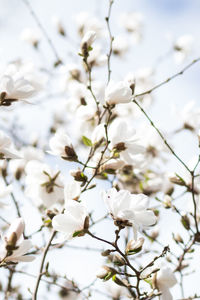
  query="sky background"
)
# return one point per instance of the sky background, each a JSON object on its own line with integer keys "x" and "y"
{"x": 162, "y": 19}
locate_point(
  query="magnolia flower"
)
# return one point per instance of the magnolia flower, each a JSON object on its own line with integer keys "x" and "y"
{"x": 164, "y": 280}
{"x": 31, "y": 36}
{"x": 183, "y": 47}
{"x": 98, "y": 133}
{"x": 12, "y": 90}
{"x": 43, "y": 185}
{"x": 134, "y": 246}
{"x": 6, "y": 148}
{"x": 14, "y": 247}
{"x": 73, "y": 221}
{"x": 88, "y": 39}
{"x": 116, "y": 291}
{"x": 96, "y": 57}
{"x": 72, "y": 191}
{"x": 28, "y": 153}
{"x": 123, "y": 141}
{"x": 120, "y": 45}
{"x": 112, "y": 165}
{"x": 190, "y": 115}
{"x": 154, "y": 145}
{"x": 132, "y": 22}
{"x": 61, "y": 145}
{"x": 4, "y": 192}
{"x": 128, "y": 209}
{"x": 58, "y": 25}
{"x": 87, "y": 22}
{"x": 118, "y": 92}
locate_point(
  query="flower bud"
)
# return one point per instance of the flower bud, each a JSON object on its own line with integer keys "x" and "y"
{"x": 88, "y": 38}
{"x": 177, "y": 180}
{"x": 185, "y": 222}
{"x": 86, "y": 43}
{"x": 134, "y": 246}
{"x": 106, "y": 273}
{"x": 106, "y": 252}
{"x": 117, "y": 260}
{"x": 167, "y": 201}
{"x": 15, "y": 231}
{"x": 178, "y": 238}
{"x": 79, "y": 176}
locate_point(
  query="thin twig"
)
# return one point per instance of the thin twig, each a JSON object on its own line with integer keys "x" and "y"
{"x": 162, "y": 136}
{"x": 42, "y": 265}
{"x": 111, "y": 39}
{"x": 169, "y": 78}
{"x": 58, "y": 60}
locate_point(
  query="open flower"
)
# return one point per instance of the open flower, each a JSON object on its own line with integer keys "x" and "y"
{"x": 61, "y": 145}
{"x": 129, "y": 209}
{"x": 183, "y": 47}
{"x": 12, "y": 90}
{"x": 88, "y": 38}
{"x": 30, "y": 36}
{"x": 72, "y": 222}
{"x": 123, "y": 141}
{"x": 133, "y": 23}
{"x": 118, "y": 92}
{"x": 72, "y": 191}
{"x": 43, "y": 184}
{"x": 6, "y": 148}
{"x": 15, "y": 247}
{"x": 165, "y": 279}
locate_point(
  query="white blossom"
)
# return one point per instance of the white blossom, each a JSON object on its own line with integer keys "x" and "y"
{"x": 72, "y": 191}
{"x": 132, "y": 22}
{"x": 129, "y": 208}
{"x": 120, "y": 45}
{"x": 124, "y": 141}
{"x": 183, "y": 47}
{"x": 118, "y": 92}
{"x": 12, "y": 90}
{"x": 88, "y": 39}
{"x": 27, "y": 153}
{"x": 7, "y": 149}
{"x": 86, "y": 22}
{"x": 30, "y": 36}
{"x": 61, "y": 145}
{"x": 43, "y": 184}
{"x": 72, "y": 221}
{"x": 14, "y": 246}
{"x": 190, "y": 116}
{"x": 165, "y": 279}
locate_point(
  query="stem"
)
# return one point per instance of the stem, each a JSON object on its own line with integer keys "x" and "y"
{"x": 111, "y": 39}
{"x": 34, "y": 297}
{"x": 162, "y": 136}
{"x": 169, "y": 79}
{"x": 26, "y": 2}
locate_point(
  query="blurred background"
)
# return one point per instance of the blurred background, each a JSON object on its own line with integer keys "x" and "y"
{"x": 163, "y": 22}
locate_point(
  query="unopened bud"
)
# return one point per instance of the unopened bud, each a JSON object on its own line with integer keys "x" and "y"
{"x": 134, "y": 246}
{"x": 70, "y": 154}
{"x": 120, "y": 282}
{"x": 79, "y": 176}
{"x": 186, "y": 222}
{"x": 120, "y": 147}
{"x": 52, "y": 213}
{"x": 86, "y": 223}
{"x": 178, "y": 238}
{"x": 106, "y": 252}
{"x": 117, "y": 260}
{"x": 15, "y": 231}
{"x": 106, "y": 273}
{"x": 177, "y": 180}
{"x": 167, "y": 201}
